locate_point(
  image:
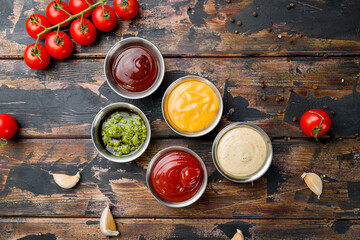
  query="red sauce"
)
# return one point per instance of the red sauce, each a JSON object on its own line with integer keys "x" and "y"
{"x": 177, "y": 176}
{"x": 135, "y": 69}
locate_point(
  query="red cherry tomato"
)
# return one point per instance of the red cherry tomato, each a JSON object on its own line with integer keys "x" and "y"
{"x": 77, "y": 6}
{"x": 315, "y": 123}
{"x": 84, "y": 33}
{"x": 189, "y": 176}
{"x": 34, "y": 25}
{"x": 37, "y": 58}
{"x": 57, "y": 11}
{"x": 8, "y": 127}
{"x": 126, "y": 9}
{"x": 104, "y": 21}
{"x": 58, "y": 46}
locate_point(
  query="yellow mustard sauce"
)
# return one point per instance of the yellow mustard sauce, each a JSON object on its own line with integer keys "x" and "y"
{"x": 191, "y": 106}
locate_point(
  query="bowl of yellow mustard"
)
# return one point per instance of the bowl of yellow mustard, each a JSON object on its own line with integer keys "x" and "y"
{"x": 192, "y": 106}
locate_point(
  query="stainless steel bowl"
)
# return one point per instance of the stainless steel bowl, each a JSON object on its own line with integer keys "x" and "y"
{"x": 216, "y": 119}
{"x": 96, "y": 132}
{"x": 264, "y": 167}
{"x": 177, "y": 204}
{"x": 116, "y": 50}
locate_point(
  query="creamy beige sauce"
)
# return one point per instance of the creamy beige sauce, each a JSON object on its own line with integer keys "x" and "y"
{"x": 241, "y": 151}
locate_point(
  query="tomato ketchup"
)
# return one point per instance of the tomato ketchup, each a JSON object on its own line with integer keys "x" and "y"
{"x": 135, "y": 69}
{"x": 176, "y": 176}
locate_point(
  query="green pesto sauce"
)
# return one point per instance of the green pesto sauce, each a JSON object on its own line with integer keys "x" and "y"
{"x": 123, "y": 132}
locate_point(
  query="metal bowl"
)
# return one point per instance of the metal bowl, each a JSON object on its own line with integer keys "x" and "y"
{"x": 214, "y": 122}
{"x": 264, "y": 167}
{"x": 96, "y": 132}
{"x": 116, "y": 50}
{"x": 177, "y": 204}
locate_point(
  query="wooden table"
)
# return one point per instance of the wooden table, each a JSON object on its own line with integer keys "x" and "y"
{"x": 314, "y": 63}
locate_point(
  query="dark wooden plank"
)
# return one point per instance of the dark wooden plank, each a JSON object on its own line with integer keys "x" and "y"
{"x": 206, "y": 29}
{"x": 88, "y": 228}
{"x": 26, "y": 188}
{"x": 62, "y": 101}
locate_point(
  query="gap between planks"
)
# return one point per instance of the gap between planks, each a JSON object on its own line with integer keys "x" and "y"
{"x": 215, "y": 55}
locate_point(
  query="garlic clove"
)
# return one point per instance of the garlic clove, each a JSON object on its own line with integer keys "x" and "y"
{"x": 238, "y": 235}
{"x": 313, "y": 181}
{"x": 66, "y": 181}
{"x": 107, "y": 223}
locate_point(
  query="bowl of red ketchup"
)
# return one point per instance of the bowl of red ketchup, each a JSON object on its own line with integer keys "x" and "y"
{"x": 134, "y": 68}
{"x": 176, "y": 177}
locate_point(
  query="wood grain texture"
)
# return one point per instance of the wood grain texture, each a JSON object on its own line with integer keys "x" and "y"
{"x": 62, "y": 101}
{"x": 27, "y": 189}
{"x": 147, "y": 229}
{"x": 206, "y": 30}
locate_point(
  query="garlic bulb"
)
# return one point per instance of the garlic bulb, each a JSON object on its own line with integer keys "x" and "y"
{"x": 107, "y": 223}
{"x": 238, "y": 235}
{"x": 66, "y": 181}
{"x": 313, "y": 181}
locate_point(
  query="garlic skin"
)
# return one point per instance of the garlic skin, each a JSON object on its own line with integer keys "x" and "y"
{"x": 107, "y": 223}
{"x": 238, "y": 235}
{"x": 66, "y": 181}
{"x": 313, "y": 181}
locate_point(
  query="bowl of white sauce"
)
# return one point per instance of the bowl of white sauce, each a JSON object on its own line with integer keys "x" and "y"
{"x": 242, "y": 152}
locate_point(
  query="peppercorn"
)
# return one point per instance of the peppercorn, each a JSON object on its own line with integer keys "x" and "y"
{"x": 188, "y": 8}
{"x": 239, "y": 23}
{"x": 281, "y": 98}
{"x": 332, "y": 113}
{"x": 315, "y": 87}
{"x": 288, "y": 138}
{"x": 280, "y": 36}
{"x": 262, "y": 85}
{"x": 269, "y": 29}
{"x": 228, "y": 1}
{"x": 325, "y": 55}
{"x": 294, "y": 119}
{"x": 292, "y": 5}
{"x": 288, "y": 7}
{"x": 283, "y": 90}
{"x": 280, "y": 111}
{"x": 262, "y": 81}
{"x": 285, "y": 138}
{"x": 291, "y": 41}
{"x": 325, "y": 146}
{"x": 255, "y": 14}
{"x": 325, "y": 106}
{"x": 264, "y": 98}
{"x": 301, "y": 35}
{"x": 236, "y": 31}
{"x": 277, "y": 99}
{"x": 232, "y": 20}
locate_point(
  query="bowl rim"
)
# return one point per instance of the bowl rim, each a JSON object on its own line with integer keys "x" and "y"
{"x": 257, "y": 174}
{"x": 158, "y": 80}
{"x": 216, "y": 120}
{"x": 104, "y": 113}
{"x": 190, "y": 201}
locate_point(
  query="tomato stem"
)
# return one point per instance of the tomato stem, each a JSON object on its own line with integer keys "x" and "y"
{"x": 316, "y": 130}
{"x": 58, "y": 40}
{"x": 3, "y": 141}
{"x": 124, "y": 4}
{"x": 71, "y": 17}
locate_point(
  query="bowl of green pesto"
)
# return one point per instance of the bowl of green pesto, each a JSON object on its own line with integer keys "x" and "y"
{"x": 121, "y": 132}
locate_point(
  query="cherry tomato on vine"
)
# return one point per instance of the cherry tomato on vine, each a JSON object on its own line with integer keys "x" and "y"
{"x": 57, "y": 11}
{"x": 35, "y": 24}
{"x": 315, "y": 123}
{"x": 8, "y": 128}
{"x": 77, "y": 6}
{"x": 58, "y": 45}
{"x": 36, "y": 58}
{"x": 126, "y": 9}
{"x": 104, "y": 18}
{"x": 84, "y": 33}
